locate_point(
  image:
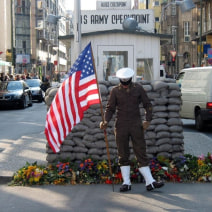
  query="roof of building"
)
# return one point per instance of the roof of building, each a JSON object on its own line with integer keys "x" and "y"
{"x": 163, "y": 37}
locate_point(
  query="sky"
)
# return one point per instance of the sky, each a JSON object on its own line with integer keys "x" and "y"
{"x": 85, "y": 4}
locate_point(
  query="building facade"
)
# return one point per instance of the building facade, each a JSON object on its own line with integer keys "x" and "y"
{"x": 29, "y": 43}
{"x": 5, "y": 37}
{"x": 181, "y": 51}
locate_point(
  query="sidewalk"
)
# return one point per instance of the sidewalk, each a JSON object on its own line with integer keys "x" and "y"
{"x": 100, "y": 198}
{"x": 16, "y": 153}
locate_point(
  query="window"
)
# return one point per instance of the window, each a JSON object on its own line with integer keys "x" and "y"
{"x": 157, "y": 3}
{"x": 173, "y": 10}
{"x": 174, "y": 40}
{"x": 186, "y": 31}
{"x": 157, "y": 19}
{"x": 113, "y": 61}
{"x": 145, "y": 69}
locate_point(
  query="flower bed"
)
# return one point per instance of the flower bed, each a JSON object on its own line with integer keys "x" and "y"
{"x": 187, "y": 168}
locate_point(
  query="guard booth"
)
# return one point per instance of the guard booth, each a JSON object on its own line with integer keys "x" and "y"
{"x": 115, "y": 48}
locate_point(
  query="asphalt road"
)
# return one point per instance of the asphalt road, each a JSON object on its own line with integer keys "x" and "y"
{"x": 189, "y": 126}
{"x": 15, "y": 123}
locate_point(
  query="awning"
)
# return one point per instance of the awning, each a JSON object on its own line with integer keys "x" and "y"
{"x": 4, "y": 63}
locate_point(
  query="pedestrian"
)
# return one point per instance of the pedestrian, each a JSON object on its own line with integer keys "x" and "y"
{"x": 28, "y": 76}
{"x": 17, "y": 77}
{"x": 11, "y": 78}
{"x": 125, "y": 100}
{"x": 2, "y": 77}
{"x": 23, "y": 77}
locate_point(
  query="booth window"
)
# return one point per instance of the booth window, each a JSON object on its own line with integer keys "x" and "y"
{"x": 112, "y": 62}
{"x": 144, "y": 69}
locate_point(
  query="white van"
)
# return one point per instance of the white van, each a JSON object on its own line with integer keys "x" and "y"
{"x": 196, "y": 88}
{"x": 180, "y": 76}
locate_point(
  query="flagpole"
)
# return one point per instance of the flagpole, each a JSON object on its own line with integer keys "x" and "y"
{"x": 102, "y": 114}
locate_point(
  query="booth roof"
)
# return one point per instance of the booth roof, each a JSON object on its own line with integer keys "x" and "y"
{"x": 163, "y": 37}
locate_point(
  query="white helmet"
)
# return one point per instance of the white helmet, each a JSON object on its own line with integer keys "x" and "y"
{"x": 125, "y": 73}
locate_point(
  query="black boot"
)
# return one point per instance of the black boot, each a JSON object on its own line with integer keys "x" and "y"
{"x": 125, "y": 188}
{"x": 155, "y": 184}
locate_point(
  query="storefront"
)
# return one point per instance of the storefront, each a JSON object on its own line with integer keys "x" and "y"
{"x": 5, "y": 67}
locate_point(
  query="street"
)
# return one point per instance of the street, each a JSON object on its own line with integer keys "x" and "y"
{"x": 17, "y": 122}
{"x": 189, "y": 126}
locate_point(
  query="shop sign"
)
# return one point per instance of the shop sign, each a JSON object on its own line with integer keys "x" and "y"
{"x": 23, "y": 58}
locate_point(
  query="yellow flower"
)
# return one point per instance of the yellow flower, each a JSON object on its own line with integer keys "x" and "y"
{"x": 200, "y": 162}
{"x": 31, "y": 179}
{"x": 36, "y": 179}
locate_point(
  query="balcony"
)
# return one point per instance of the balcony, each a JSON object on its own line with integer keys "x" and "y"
{"x": 42, "y": 35}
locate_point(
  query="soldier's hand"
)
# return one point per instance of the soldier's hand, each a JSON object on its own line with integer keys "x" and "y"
{"x": 146, "y": 124}
{"x": 103, "y": 125}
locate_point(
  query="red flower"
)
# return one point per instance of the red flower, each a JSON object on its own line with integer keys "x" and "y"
{"x": 118, "y": 175}
{"x": 108, "y": 181}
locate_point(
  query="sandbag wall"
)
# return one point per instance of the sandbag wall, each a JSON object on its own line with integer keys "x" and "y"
{"x": 163, "y": 137}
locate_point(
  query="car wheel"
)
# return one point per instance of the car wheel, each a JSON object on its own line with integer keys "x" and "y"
{"x": 23, "y": 103}
{"x": 40, "y": 98}
{"x": 199, "y": 123}
{"x": 30, "y": 101}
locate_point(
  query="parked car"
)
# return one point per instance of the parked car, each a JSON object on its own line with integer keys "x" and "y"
{"x": 196, "y": 89}
{"x": 15, "y": 93}
{"x": 63, "y": 78}
{"x": 35, "y": 87}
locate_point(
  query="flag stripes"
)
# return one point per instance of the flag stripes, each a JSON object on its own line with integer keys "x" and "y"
{"x": 74, "y": 96}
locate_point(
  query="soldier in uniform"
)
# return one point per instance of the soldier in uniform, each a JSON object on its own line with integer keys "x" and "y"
{"x": 125, "y": 100}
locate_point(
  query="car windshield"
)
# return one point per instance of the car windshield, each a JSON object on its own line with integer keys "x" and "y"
{"x": 33, "y": 83}
{"x": 11, "y": 85}
{"x": 180, "y": 76}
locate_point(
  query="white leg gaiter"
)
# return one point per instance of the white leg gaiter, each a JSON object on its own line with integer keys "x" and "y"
{"x": 125, "y": 172}
{"x": 145, "y": 171}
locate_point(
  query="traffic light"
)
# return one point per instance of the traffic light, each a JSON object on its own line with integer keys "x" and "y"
{"x": 173, "y": 61}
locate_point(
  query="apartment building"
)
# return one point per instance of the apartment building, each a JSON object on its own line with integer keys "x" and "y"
{"x": 181, "y": 51}
{"x": 28, "y": 41}
{"x": 192, "y": 35}
{"x": 154, "y": 5}
{"x": 5, "y": 37}
{"x": 48, "y": 54}
{"x": 203, "y": 34}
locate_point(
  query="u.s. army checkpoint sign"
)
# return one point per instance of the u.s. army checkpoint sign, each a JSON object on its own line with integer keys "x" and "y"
{"x": 101, "y": 20}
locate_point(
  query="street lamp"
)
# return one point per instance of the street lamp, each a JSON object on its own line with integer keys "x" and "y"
{"x": 77, "y": 27}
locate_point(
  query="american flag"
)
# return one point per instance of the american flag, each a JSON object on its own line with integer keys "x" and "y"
{"x": 74, "y": 96}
